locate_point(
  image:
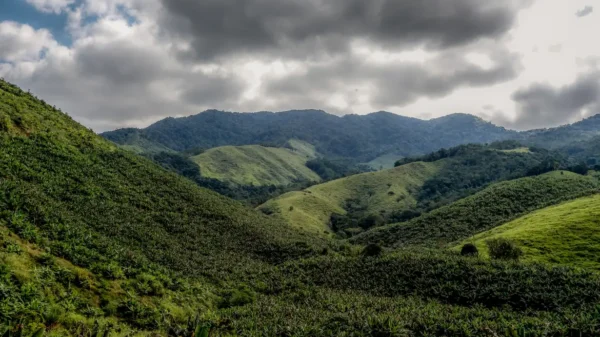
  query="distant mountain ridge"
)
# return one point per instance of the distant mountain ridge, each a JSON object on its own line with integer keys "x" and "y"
{"x": 363, "y": 137}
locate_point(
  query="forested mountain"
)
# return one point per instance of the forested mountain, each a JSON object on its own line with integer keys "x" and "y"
{"x": 362, "y": 138}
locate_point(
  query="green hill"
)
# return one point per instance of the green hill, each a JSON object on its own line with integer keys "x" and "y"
{"x": 312, "y": 208}
{"x": 415, "y": 186}
{"x": 258, "y": 165}
{"x": 76, "y": 197}
{"x": 565, "y": 234}
{"x": 489, "y": 208}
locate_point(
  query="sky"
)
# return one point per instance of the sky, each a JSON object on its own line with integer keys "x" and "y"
{"x": 522, "y": 64}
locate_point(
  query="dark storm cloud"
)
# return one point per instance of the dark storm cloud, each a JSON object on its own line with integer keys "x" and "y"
{"x": 301, "y": 27}
{"x": 585, "y": 11}
{"x": 542, "y": 105}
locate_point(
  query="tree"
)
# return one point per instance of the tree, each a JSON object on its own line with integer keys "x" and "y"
{"x": 469, "y": 249}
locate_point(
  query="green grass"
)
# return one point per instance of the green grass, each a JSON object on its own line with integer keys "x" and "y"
{"x": 257, "y": 165}
{"x": 381, "y": 191}
{"x": 567, "y": 234}
{"x": 494, "y": 206}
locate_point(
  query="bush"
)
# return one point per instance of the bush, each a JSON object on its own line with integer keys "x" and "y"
{"x": 503, "y": 249}
{"x": 237, "y": 297}
{"x": 469, "y": 249}
{"x": 372, "y": 250}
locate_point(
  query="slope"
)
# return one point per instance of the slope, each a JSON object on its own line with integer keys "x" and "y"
{"x": 312, "y": 208}
{"x": 494, "y": 206}
{"x": 565, "y": 234}
{"x": 78, "y": 197}
{"x": 418, "y": 185}
{"x": 257, "y": 165}
{"x": 362, "y": 138}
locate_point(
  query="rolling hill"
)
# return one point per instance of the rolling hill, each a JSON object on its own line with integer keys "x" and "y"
{"x": 257, "y": 165}
{"x": 312, "y": 208}
{"x": 494, "y": 206}
{"x": 418, "y": 186}
{"x": 362, "y": 138}
{"x": 564, "y": 234}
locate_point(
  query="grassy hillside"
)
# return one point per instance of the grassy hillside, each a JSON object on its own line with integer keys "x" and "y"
{"x": 312, "y": 208}
{"x": 257, "y": 165}
{"x": 565, "y": 234}
{"x": 78, "y": 197}
{"x": 491, "y": 207}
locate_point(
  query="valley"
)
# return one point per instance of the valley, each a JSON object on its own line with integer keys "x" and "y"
{"x": 136, "y": 233}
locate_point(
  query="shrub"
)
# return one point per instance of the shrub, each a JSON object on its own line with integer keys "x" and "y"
{"x": 469, "y": 249}
{"x": 372, "y": 250}
{"x": 237, "y": 297}
{"x": 503, "y": 249}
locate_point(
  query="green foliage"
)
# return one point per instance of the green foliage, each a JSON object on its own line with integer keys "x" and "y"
{"x": 372, "y": 250}
{"x": 330, "y": 169}
{"x": 503, "y": 249}
{"x": 482, "y": 211}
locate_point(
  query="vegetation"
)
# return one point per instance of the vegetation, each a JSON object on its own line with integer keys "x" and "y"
{"x": 376, "y": 192}
{"x": 97, "y": 241}
{"x": 256, "y": 165}
{"x": 484, "y": 210}
{"x": 562, "y": 234}
{"x": 503, "y": 249}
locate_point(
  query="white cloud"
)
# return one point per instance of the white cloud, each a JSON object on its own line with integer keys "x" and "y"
{"x": 23, "y": 43}
{"x": 51, "y": 6}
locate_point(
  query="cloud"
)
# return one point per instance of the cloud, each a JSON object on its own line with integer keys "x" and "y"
{"x": 132, "y": 62}
{"x": 542, "y": 105}
{"x": 51, "y": 6}
{"x": 388, "y": 83}
{"x": 114, "y": 75}
{"x": 23, "y": 43}
{"x": 587, "y": 10}
{"x": 298, "y": 28}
